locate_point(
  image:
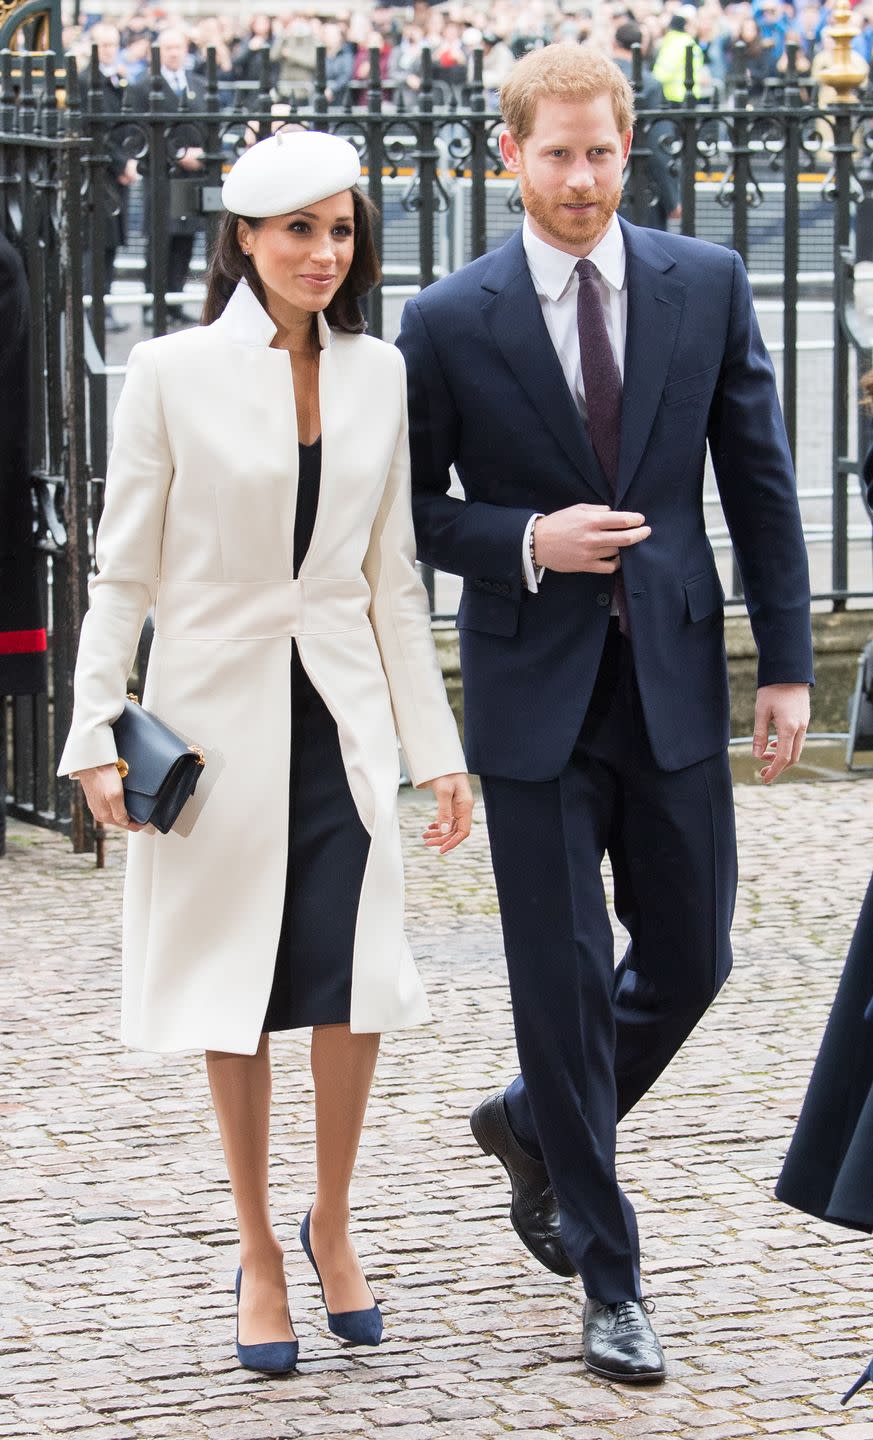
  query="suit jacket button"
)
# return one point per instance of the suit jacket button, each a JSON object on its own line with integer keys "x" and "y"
{"x": 603, "y": 598}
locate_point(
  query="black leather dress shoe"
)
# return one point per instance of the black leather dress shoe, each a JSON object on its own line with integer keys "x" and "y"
{"x": 534, "y": 1209}
{"x": 619, "y": 1342}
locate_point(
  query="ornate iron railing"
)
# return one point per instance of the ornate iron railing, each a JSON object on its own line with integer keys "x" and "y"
{"x": 790, "y": 187}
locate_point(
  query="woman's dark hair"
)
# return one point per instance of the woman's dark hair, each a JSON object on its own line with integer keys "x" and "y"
{"x": 229, "y": 265}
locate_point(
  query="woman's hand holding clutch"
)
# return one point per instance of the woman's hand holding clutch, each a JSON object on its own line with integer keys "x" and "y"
{"x": 104, "y": 793}
{"x": 454, "y": 815}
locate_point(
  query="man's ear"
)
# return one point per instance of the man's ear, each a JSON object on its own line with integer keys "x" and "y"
{"x": 510, "y": 151}
{"x": 626, "y": 145}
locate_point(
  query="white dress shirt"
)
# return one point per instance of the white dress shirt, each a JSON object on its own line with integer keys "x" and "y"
{"x": 176, "y": 79}
{"x": 556, "y": 283}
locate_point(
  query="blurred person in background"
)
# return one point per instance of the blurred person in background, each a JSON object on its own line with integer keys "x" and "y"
{"x": 713, "y": 37}
{"x": 497, "y": 61}
{"x": 662, "y": 188}
{"x": 248, "y": 62}
{"x": 136, "y": 54}
{"x": 863, "y": 41}
{"x": 773, "y": 29}
{"x": 670, "y": 61}
{"x": 339, "y": 61}
{"x": 208, "y": 32}
{"x": 531, "y": 30}
{"x": 756, "y": 61}
{"x": 450, "y": 59}
{"x": 373, "y": 40}
{"x": 179, "y": 88}
{"x": 121, "y": 170}
{"x": 404, "y": 65}
{"x": 808, "y": 25}
{"x": 294, "y": 53}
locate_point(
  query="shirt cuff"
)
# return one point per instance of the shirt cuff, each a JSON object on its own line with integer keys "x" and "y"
{"x": 531, "y": 575}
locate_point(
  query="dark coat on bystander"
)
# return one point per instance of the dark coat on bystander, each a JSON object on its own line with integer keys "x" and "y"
{"x": 828, "y": 1171}
{"x": 22, "y": 626}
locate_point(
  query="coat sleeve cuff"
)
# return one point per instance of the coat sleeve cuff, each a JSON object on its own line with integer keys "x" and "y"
{"x": 429, "y": 766}
{"x": 83, "y": 751}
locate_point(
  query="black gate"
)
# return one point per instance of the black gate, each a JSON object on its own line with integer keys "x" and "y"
{"x": 790, "y": 187}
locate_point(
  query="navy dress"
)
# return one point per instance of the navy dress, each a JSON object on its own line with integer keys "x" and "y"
{"x": 327, "y": 843}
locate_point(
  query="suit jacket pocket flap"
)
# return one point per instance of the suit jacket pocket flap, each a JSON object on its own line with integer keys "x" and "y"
{"x": 689, "y": 386}
{"x": 703, "y": 595}
{"x": 492, "y": 614}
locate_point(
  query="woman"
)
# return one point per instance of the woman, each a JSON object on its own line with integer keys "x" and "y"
{"x": 248, "y": 61}
{"x": 756, "y": 56}
{"x": 258, "y": 496}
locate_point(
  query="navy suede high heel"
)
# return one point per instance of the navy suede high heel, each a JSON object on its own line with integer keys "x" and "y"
{"x": 275, "y": 1357}
{"x": 863, "y": 1379}
{"x": 358, "y": 1327}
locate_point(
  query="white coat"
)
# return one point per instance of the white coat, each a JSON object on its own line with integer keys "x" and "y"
{"x": 198, "y": 522}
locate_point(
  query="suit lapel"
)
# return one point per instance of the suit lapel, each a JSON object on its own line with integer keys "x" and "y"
{"x": 655, "y": 298}
{"x": 517, "y": 326}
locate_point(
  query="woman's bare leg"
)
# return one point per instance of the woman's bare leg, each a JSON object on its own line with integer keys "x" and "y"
{"x": 342, "y": 1069}
{"x": 241, "y": 1090}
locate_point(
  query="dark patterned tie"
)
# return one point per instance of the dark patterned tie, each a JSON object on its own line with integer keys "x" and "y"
{"x": 602, "y": 382}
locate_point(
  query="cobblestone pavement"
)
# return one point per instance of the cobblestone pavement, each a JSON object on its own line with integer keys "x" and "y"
{"x": 117, "y": 1227}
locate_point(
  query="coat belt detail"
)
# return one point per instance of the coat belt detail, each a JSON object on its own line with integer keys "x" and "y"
{"x": 258, "y": 610}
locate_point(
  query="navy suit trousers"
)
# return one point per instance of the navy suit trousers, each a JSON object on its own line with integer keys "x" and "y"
{"x": 592, "y": 1036}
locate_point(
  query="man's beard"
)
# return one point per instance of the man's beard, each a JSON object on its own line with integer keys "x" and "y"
{"x": 582, "y": 228}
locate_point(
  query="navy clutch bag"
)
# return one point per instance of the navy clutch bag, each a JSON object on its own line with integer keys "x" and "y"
{"x": 158, "y": 769}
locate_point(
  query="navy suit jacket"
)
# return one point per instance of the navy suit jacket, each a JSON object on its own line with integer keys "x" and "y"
{"x": 487, "y": 394}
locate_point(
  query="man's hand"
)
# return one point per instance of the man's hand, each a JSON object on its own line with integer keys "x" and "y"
{"x": 785, "y": 709}
{"x": 587, "y": 537}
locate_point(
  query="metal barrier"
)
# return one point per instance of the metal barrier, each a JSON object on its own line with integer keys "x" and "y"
{"x": 435, "y": 175}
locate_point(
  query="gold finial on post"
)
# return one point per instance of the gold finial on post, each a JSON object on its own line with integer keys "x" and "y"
{"x": 847, "y": 69}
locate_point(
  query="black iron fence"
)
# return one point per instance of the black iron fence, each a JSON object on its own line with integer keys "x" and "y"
{"x": 788, "y": 186}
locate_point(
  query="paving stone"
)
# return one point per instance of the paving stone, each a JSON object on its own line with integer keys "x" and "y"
{"x": 118, "y": 1233}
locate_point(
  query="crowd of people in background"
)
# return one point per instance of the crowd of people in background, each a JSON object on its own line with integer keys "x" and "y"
{"x": 277, "y": 54}
{"x": 503, "y": 30}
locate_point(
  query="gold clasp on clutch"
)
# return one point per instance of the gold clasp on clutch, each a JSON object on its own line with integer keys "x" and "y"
{"x": 196, "y": 750}
{"x": 122, "y": 767}
{"x": 134, "y": 698}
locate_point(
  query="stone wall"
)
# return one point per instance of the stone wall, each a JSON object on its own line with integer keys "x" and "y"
{"x": 838, "y": 640}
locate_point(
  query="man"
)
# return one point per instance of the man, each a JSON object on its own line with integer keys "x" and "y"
{"x": 185, "y": 146}
{"x": 22, "y": 624}
{"x": 773, "y": 29}
{"x": 661, "y": 187}
{"x": 670, "y": 61}
{"x": 574, "y": 378}
{"x": 121, "y": 170}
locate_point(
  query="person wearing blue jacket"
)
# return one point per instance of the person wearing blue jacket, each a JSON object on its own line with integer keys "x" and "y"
{"x": 575, "y": 379}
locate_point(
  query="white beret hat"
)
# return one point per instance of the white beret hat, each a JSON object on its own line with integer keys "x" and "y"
{"x": 287, "y": 172}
